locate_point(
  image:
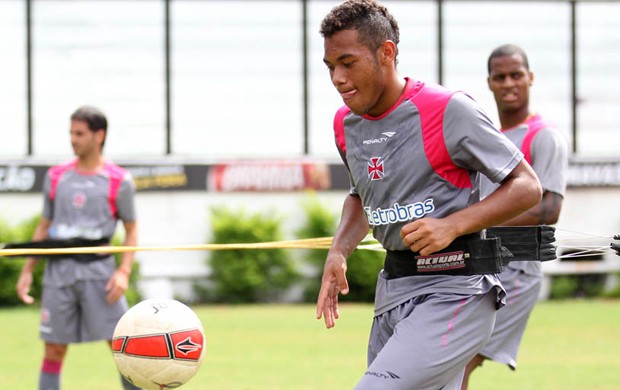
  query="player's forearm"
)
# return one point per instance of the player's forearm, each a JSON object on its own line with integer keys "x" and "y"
{"x": 547, "y": 212}
{"x": 352, "y": 229}
{"x": 29, "y": 265}
{"x": 519, "y": 192}
{"x": 40, "y": 234}
{"x": 126, "y": 263}
{"x": 131, "y": 239}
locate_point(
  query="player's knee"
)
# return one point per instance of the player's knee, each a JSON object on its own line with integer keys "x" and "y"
{"x": 55, "y": 352}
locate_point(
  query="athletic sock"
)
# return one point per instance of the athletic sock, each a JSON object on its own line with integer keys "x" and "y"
{"x": 49, "y": 379}
{"x": 127, "y": 385}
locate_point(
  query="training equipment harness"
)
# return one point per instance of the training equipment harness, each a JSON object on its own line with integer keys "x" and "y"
{"x": 487, "y": 252}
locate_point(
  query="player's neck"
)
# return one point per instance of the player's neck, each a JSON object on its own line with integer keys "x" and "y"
{"x": 391, "y": 94}
{"x": 90, "y": 163}
{"x": 508, "y": 120}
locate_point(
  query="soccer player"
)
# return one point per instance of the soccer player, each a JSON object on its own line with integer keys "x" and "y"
{"x": 413, "y": 150}
{"x": 82, "y": 299}
{"x": 546, "y": 149}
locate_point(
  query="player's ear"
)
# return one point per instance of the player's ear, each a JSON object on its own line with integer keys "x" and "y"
{"x": 387, "y": 52}
{"x": 100, "y": 134}
{"x": 531, "y": 78}
{"x": 489, "y": 83}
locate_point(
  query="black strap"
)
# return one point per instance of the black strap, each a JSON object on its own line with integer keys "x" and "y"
{"x": 615, "y": 246}
{"x": 467, "y": 255}
{"x": 474, "y": 255}
{"x": 525, "y": 243}
{"x": 56, "y": 243}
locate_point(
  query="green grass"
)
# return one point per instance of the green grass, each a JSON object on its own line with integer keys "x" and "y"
{"x": 568, "y": 345}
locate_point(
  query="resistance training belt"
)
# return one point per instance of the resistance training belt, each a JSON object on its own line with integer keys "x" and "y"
{"x": 66, "y": 243}
{"x": 487, "y": 252}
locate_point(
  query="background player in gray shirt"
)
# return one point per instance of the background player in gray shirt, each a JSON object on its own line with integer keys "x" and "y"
{"x": 413, "y": 151}
{"x": 82, "y": 299}
{"x": 546, "y": 149}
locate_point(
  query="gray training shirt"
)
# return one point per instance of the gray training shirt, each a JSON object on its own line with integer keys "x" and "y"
{"x": 546, "y": 149}
{"x": 420, "y": 159}
{"x": 85, "y": 206}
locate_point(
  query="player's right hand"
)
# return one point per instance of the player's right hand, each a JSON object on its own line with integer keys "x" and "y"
{"x": 23, "y": 287}
{"x": 428, "y": 235}
{"x": 333, "y": 282}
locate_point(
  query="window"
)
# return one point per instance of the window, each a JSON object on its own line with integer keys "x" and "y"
{"x": 598, "y": 27}
{"x": 109, "y": 54}
{"x": 237, "y": 79}
{"x": 474, "y": 29}
{"x": 13, "y": 99}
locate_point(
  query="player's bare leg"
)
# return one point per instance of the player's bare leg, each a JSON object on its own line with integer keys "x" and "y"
{"x": 471, "y": 366}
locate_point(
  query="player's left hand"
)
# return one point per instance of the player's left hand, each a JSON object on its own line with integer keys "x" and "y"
{"x": 333, "y": 282}
{"x": 428, "y": 235}
{"x": 116, "y": 286}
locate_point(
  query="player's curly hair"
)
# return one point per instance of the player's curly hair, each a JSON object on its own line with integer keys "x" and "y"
{"x": 373, "y": 22}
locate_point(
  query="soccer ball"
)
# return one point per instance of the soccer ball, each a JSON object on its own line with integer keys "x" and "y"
{"x": 158, "y": 344}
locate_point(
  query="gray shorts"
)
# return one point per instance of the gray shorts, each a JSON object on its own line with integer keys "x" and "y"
{"x": 426, "y": 342}
{"x": 521, "y": 296}
{"x": 79, "y": 313}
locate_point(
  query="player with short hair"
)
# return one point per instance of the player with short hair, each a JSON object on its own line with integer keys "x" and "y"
{"x": 83, "y": 298}
{"x": 413, "y": 150}
{"x": 546, "y": 149}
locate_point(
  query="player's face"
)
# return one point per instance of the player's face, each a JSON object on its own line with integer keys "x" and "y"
{"x": 84, "y": 141}
{"x": 510, "y": 82}
{"x": 356, "y": 73}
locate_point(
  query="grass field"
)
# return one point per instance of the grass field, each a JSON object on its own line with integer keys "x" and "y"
{"x": 569, "y": 345}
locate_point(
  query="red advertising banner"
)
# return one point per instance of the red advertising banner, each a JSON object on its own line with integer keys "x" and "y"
{"x": 269, "y": 176}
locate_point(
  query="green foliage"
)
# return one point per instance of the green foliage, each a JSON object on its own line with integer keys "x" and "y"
{"x": 615, "y": 291}
{"x": 256, "y": 275}
{"x": 563, "y": 287}
{"x": 320, "y": 222}
{"x": 363, "y": 266}
{"x": 10, "y": 267}
{"x": 577, "y": 286}
{"x": 591, "y": 285}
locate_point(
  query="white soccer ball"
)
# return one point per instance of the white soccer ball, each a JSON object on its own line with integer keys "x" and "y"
{"x": 158, "y": 344}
